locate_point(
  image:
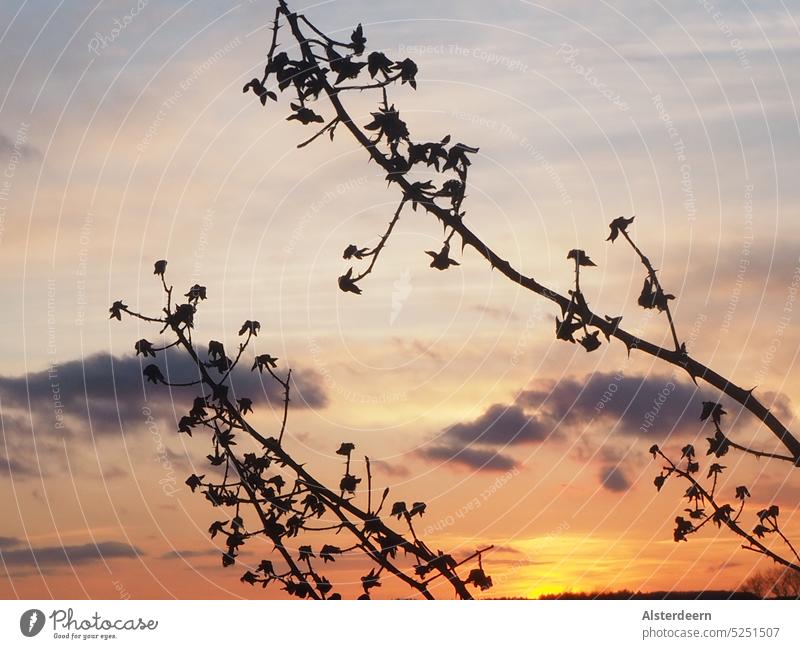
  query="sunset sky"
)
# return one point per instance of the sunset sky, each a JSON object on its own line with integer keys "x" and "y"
{"x": 122, "y": 146}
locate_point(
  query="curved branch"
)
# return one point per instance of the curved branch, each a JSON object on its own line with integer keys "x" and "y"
{"x": 677, "y": 357}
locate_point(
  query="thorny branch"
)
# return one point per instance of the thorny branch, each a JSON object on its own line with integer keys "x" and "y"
{"x": 271, "y": 494}
{"x": 322, "y": 71}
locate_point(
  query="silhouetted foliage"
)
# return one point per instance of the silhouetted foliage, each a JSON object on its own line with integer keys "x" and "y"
{"x": 776, "y": 582}
{"x": 655, "y": 595}
{"x": 269, "y": 494}
{"x": 325, "y": 71}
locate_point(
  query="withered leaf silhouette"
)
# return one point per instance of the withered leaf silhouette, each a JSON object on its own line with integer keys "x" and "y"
{"x": 457, "y": 158}
{"x": 258, "y": 88}
{"x": 304, "y": 115}
{"x": 344, "y": 66}
{"x": 441, "y": 260}
{"x": 217, "y": 527}
{"x": 652, "y": 297}
{"x": 713, "y": 410}
{"x": 659, "y": 481}
{"x": 160, "y": 267}
{"x": 590, "y": 341}
{"x": 199, "y": 406}
{"x": 215, "y": 349}
{"x": 479, "y": 578}
{"x": 378, "y": 62}
{"x": 327, "y": 552}
{"x": 264, "y": 360}
{"x": 183, "y": 315}
{"x": 349, "y": 483}
{"x": 354, "y": 251}
{"x": 196, "y": 293}
{"x": 185, "y": 425}
{"x": 153, "y": 374}
{"x": 387, "y": 123}
{"x": 620, "y": 224}
{"x": 245, "y": 405}
{"x": 250, "y": 327}
{"x": 347, "y": 284}
{"x": 194, "y": 481}
{"x": 566, "y": 329}
{"x": 682, "y": 528}
{"x": 408, "y": 72}
{"x": 116, "y": 310}
{"x": 144, "y": 347}
{"x": 346, "y": 448}
{"x": 580, "y": 257}
{"x": 357, "y": 40}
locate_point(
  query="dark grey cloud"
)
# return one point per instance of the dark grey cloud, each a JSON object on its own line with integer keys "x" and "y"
{"x": 111, "y": 389}
{"x": 12, "y": 467}
{"x": 189, "y": 554}
{"x": 613, "y": 478}
{"x": 474, "y": 444}
{"x": 647, "y": 407}
{"x": 470, "y": 458}
{"x": 391, "y": 469}
{"x": 9, "y": 145}
{"x": 108, "y": 395}
{"x": 9, "y": 541}
{"x": 68, "y": 554}
{"x": 498, "y": 426}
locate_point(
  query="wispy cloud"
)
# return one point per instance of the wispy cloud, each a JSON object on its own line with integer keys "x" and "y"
{"x": 68, "y": 554}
